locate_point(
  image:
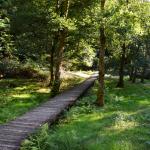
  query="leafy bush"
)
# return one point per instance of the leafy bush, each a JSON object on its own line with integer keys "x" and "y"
{"x": 8, "y": 67}
{"x": 13, "y": 69}
{"x": 36, "y": 142}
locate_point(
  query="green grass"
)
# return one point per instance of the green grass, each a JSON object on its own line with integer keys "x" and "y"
{"x": 123, "y": 124}
{"x": 17, "y": 96}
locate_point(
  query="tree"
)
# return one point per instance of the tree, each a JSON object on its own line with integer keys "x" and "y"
{"x": 100, "y": 94}
{"x": 6, "y": 46}
{"x": 69, "y": 21}
{"x": 63, "y": 10}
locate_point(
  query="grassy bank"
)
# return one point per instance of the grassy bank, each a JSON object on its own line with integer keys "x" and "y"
{"x": 17, "y": 96}
{"x": 123, "y": 124}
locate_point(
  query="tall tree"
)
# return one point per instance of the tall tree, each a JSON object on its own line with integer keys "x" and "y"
{"x": 63, "y": 10}
{"x": 101, "y": 69}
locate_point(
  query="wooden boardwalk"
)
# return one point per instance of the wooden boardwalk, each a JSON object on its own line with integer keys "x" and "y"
{"x": 14, "y": 132}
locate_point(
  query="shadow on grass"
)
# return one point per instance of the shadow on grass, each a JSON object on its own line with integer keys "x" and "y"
{"x": 108, "y": 132}
{"x": 123, "y": 124}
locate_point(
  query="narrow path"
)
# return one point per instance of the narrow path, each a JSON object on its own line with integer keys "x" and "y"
{"x": 14, "y": 132}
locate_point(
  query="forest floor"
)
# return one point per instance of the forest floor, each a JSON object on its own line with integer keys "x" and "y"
{"x": 122, "y": 124}
{"x": 18, "y": 96}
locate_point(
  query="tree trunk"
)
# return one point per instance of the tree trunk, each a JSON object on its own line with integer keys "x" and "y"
{"x": 59, "y": 54}
{"x": 146, "y": 57}
{"x": 51, "y": 66}
{"x": 134, "y": 75}
{"x": 121, "y": 69}
{"x": 142, "y": 74}
{"x": 100, "y": 94}
{"x": 131, "y": 73}
{"x": 64, "y": 9}
{"x": 53, "y": 49}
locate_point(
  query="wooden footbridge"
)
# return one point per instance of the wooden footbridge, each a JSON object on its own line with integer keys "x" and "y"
{"x": 13, "y": 133}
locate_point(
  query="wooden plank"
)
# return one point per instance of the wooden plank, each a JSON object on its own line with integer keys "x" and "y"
{"x": 8, "y": 147}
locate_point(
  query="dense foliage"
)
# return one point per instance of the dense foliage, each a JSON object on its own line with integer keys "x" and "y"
{"x": 67, "y": 35}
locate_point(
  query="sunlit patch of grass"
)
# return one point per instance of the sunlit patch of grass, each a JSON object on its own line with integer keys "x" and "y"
{"x": 123, "y": 124}
{"x": 43, "y": 90}
{"x": 23, "y": 96}
{"x": 70, "y": 82}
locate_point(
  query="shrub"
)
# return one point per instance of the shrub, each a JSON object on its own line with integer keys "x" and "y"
{"x": 14, "y": 69}
{"x": 8, "y": 68}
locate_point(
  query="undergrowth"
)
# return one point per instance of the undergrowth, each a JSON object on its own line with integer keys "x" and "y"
{"x": 123, "y": 124}
{"x": 18, "y": 96}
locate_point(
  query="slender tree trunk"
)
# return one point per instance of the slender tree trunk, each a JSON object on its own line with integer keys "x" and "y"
{"x": 100, "y": 94}
{"x": 121, "y": 69}
{"x": 64, "y": 7}
{"x": 131, "y": 73}
{"x": 52, "y": 66}
{"x": 52, "y": 53}
{"x": 146, "y": 56}
{"x": 142, "y": 74}
{"x": 134, "y": 75}
{"x": 53, "y": 49}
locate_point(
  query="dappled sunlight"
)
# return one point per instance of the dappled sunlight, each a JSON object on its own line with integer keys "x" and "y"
{"x": 95, "y": 117}
{"x": 120, "y": 121}
{"x": 81, "y": 73}
{"x": 43, "y": 90}
{"x": 70, "y": 82}
{"x": 18, "y": 96}
{"x": 51, "y": 54}
{"x": 22, "y": 96}
{"x": 122, "y": 124}
{"x": 27, "y": 87}
{"x": 21, "y": 88}
{"x": 117, "y": 98}
{"x": 123, "y": 145}
{"x": 145, "y": 102}
{"x": 89, "y": 118}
